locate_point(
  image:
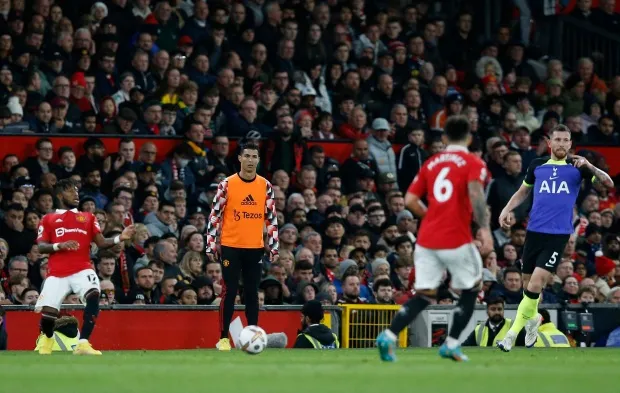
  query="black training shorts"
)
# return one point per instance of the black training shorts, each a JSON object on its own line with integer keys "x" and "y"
{"x": 543, "y": 250}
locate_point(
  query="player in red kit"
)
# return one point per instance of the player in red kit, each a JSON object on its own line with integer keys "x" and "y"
{"x": 453, "y": 183}
{"x": 66, "y": 235}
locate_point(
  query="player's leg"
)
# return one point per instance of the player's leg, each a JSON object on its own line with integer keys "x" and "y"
{"x": 251, "y": 272}
{"x": 465, "y": 267}
{"x": 231, "y": 270}
{"x": 429, "y": 272}
{"x": 543, "y": 253}
{"x": 54, "y": 291}
{"x": 86, "y": 285}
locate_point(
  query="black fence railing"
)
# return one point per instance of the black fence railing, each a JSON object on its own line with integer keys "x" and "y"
{"x": 582, "y": 39}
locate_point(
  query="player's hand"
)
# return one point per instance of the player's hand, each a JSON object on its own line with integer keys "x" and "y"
{"x": 506, "y": 219}
{"x": 128, "y": 233}
{"x": 487, "y": 241}
{"x": 71, "y": 245}
{"x": 579, "y": 162}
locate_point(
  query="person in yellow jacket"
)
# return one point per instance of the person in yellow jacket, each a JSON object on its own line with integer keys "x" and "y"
{"x": 66, "y": 334}
{"x": 315, "y": 335}
{"x": 549, "y": 336}
{"x": 494, "y": 328}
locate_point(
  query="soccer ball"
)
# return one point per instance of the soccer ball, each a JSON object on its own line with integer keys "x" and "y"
{"x": 252, "y": 340}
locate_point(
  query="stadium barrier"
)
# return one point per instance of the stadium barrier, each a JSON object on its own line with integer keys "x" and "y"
{"x": 163, "y": 327}
{"x": 23, "y": 146}
{"x": 362, "y": 323}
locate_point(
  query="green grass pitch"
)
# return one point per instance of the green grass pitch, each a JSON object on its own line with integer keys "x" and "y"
{"x": 295, "y": 371}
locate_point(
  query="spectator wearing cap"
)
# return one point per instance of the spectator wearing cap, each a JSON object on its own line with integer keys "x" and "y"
{"x": 380, "y": 148}
{"x": 313, "y": 334}
{"x": 42, "y": 163}
{"x": 21, "y": 63}
{"x": 407, "y": 225}
{"x": 60, "y": 108}
{"x": 78, "y": 92}
{"x": 124, "y": 124}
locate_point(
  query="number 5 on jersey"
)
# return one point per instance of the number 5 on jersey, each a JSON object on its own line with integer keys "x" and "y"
{"x": 552, "y": 260}
{"x": 443, "y": 188}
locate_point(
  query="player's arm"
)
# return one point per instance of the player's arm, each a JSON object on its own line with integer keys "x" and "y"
{"x": 214, "y": 226}
{"x": 478, "y": 203}
{"x": 415, "y": 192}
{"x": 601, "y": 177}
{"x": 518, "y": 198}
{"x": 271, "y": 222}
{"x": 477, "y": 196}
{"x": 44, "y": 240}
{"x": 103, "y": 242}
{"x": 415, "y": 205}
{"x": 505, "y": 217}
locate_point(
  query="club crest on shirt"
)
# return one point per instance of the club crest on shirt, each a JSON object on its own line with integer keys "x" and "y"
{"x": 81, "y": 218}
{"x": 225, "y": 262}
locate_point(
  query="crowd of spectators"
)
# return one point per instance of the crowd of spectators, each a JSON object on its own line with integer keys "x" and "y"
{"x": 382, "y": 75}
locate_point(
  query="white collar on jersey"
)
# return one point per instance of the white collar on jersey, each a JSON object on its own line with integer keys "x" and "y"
{"x": 60, "y": 211}
{"x": 457, "y": 148}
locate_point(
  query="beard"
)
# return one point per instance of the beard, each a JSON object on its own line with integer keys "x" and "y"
{"x": 559, "y": 153}
{"x": 497, "y": 318}
{"x": 70, "y": 204}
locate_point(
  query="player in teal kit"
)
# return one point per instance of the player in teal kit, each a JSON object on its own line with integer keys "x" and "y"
{"x": 555, "y": 182}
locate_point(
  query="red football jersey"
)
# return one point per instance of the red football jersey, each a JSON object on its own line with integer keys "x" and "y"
{"x": 443, "y": 179}
{"x": 63, "y": 226}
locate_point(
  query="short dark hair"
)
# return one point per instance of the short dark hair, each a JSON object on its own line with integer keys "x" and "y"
{"x": 303, "y": 265}
{"x": 157, "y": 264}
{"x": 124, "y": 140}
{"x": 118, "y": 191}
{"x": 64, "y": 185}
{"x": 41, "y": 141}
{"x": 384, "y": 282}
{"x": 457, "y": 128}
{"x": 151, "y": 240}
{"x": 63, "y": 150}
{"x": 165, "y": 203}
{"x": 16, "y": 207}
{"x": 142, "y": 268}
{"x": 510, "y": 270}
{"x": 248, "y": 146}
{"x": 495, "y": 300}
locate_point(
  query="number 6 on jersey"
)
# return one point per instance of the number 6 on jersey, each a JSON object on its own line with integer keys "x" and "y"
{"x": 443, "y": 188}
